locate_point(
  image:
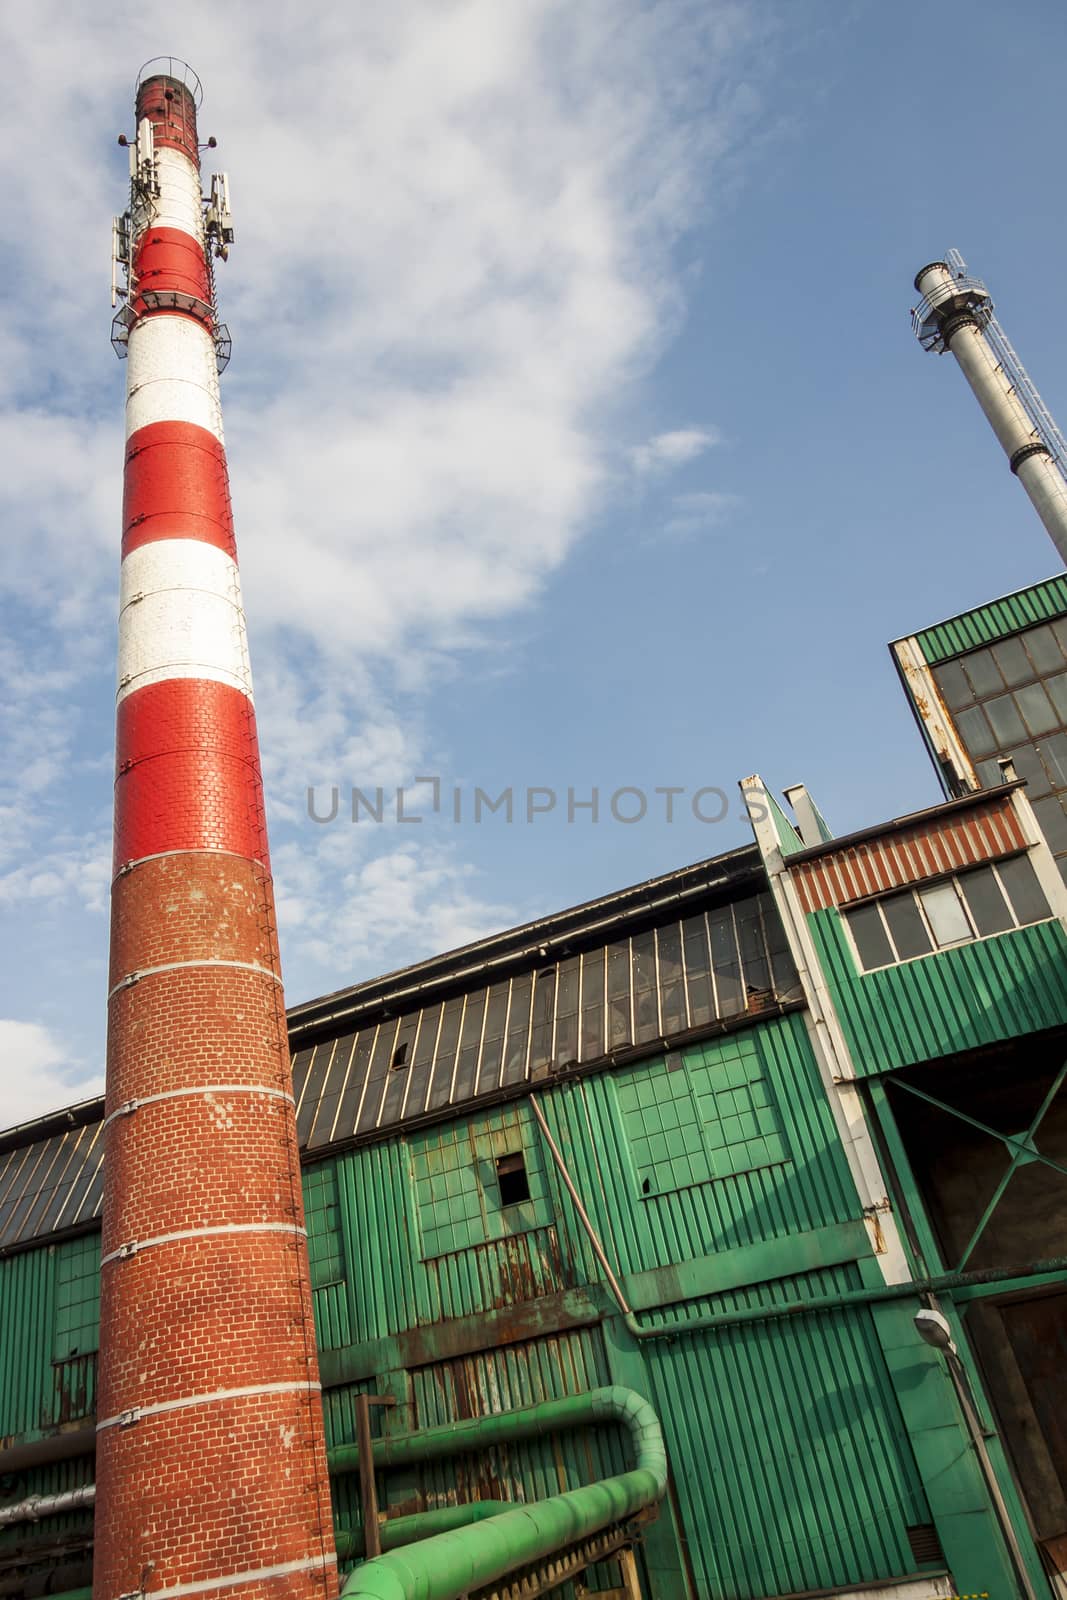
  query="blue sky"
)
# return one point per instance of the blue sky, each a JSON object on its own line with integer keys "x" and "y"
{"x": 577, "y": 433}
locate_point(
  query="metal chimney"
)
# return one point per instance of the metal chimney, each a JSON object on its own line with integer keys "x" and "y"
{"x": 956, "y": 314}
{"x": 211, "y": 1465}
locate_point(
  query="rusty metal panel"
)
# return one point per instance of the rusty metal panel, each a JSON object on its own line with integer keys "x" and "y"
{"x": 790, "y": 1457}
{"x": 910, "y": 855}
{"x": 1042, "y": 602}
{"x": 953, "y": 1000}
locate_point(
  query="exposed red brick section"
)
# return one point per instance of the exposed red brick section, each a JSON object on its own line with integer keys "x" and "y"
{"x": 211, "y": 1461}
{"x": 187, "y": 771}
{"x": 189, "y": 907}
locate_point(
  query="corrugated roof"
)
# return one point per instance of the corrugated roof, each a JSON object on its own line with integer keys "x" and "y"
{"x": 679, "y": 955}
{"x": 985, "y": 624}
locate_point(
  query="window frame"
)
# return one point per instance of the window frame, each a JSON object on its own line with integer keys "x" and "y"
{"x": 915, "y": 891}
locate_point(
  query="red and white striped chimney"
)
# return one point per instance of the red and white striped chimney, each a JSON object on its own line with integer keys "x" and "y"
{"x": 211, "y": 1464}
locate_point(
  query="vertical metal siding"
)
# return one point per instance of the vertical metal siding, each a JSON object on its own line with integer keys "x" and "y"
{"x": 976, "y": 994}
{"x": 791, "y": 1462}
{"x": 27, "y": 1320}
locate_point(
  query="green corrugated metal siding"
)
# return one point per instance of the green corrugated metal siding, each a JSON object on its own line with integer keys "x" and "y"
{"x": 786, "y": 1442}
{"x": 986, "y": 624}
{"x": 790, "y": 1456}
{"x": 27, "y": 1320}
{"x": 789, "y": 841}
{"x": 955, "y": 1000}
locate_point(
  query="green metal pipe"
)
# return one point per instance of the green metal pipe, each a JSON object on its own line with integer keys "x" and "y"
{"x": 711, "y": 1321}
{"x": 500, "y": 1427}
{"x": 447, "y": 1565}
{"x": 395, "y": 1532}
{"x": 845, "y": 1298}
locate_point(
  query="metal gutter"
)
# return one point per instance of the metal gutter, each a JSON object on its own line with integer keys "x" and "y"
{"x": 448, "y": 1565}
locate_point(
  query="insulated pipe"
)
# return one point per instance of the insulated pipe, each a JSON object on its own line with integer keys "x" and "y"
{"x": 596, "y": 1407}
{"x": 211, "y": 1459}
{"x": 396, "y": 1532}
{"x": 960, "y": 317}
{"x": 446, "y": 1566}
{"x": 47, "y": 1505}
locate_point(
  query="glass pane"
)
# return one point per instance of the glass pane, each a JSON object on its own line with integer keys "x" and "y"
{"x": 1028, "y": 765}
{"x": 988, "y": 774}
{"x": 592, "y": 1041}
{"x": 1025, "y": 893}
{"x": 518, "y": 1029}
{"x": 1038, "y": 714}
{"x": 988, "y": 908}
{"x": 952, "y": 681}
{"x": 974, "y": 731}
{"x": 619, "y": 1026}
{"x": 672, "y": 983}
{"x": 906, "y": 926}
{"x": 724, "y": 961}
{"x": 544, "y": 1006}
{"x": 567, "y": 1011}
{"x": 1052, "y": 822}
{"x": 469, "y": 1045}
{"x": 753, "y": 948}
{"x": 1007, "y": 723}
{"x": 669, "y": 948}
{"x": 1057, "y": 688}
{"x": 1053, "y": 753}
{"x": 695, "y": 950}
{"x": 1043, "y": 650}
{"x": 1059, "y": 628}
{"x": 982, "y": 671}
{"x": 1012, "y": 660}
{"x": 870, "y": 936}
{"x": 646, "y": 1007}
{"x": 948, "y": 919}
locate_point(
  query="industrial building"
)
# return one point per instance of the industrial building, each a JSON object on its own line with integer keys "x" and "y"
{"x": 704, "y": 1240}
{"x": 712, "y": 1141}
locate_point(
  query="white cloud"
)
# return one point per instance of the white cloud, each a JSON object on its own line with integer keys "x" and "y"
{"x": 37, "y": 1075}
{"x": 675, "y": 449}
{"x": 456, "y": 223}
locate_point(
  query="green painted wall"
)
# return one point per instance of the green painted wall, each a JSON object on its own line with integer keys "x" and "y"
{"x": 986, "y": 624}
{"x": 954, "y": 1000}
{"x": 716, "y": 1179}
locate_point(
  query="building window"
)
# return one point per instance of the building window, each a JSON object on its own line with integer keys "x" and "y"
{"x": 478, "y": 1181}
{"x": 705, "y": 1114}
{"x": 1010, "y": 699}
{"x": 77, "y": 1298}
{"x": 323, "y": 1217}
{"x": 511, "y": 1176}
{"x": 957, "y": 910}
